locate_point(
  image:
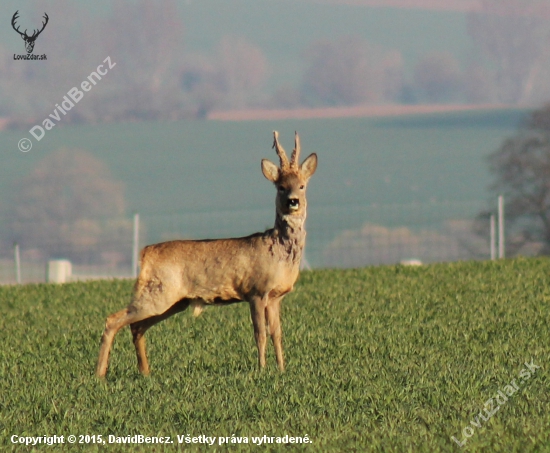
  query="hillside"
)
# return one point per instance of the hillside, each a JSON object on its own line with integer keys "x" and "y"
{"x": 202, "y": 178}
{"x": 444, "y": 156}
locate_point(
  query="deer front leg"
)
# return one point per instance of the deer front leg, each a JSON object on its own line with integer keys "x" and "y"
{"x": 138, "y": 332}
{"x": 273, "y": 318}
{"x": 257, "y": 311}
{"x": 139, "y": 328}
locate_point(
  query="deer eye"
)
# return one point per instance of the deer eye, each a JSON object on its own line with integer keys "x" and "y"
{"x": 281, "y": 189}
{"x": 302, "y": 187}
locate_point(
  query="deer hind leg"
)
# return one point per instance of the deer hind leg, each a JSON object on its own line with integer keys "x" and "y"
{"x": 140, "y": 327}
{"x": 114, "y": 323}
{"x": 257, "y": 312}
{"x": 138, "y": 331}
{"x": 273, "y": 318}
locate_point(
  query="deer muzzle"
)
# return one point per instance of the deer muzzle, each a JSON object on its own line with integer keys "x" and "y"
{"x": 293, "y": 204}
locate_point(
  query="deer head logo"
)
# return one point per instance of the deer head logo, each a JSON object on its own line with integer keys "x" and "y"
{"x": 29, "y": 40}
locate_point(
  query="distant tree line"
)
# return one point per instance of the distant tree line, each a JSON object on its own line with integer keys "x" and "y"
{"x": 521, "y": 172}
{"x": 158, "y": 78}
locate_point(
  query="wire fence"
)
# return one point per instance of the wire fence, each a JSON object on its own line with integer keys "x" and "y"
{"x": 341, "y": 236}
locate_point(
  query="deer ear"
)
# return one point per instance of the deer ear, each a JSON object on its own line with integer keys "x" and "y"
{"x": 309, "y": 166}
{"x": 270, "y": 170}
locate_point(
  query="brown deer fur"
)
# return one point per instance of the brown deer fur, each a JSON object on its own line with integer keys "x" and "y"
{"x": 259, "y": 269}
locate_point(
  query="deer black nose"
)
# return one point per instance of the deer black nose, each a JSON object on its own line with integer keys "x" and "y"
{"x": 293, "y": 203}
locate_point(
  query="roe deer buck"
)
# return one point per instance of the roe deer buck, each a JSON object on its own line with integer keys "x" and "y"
{"x": 259, "y": 269}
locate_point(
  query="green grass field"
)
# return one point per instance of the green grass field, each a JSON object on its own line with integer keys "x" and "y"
{"x": 187, "y": 166}
{"x": 387, "y": 359}
{"x": 198, "y": 168}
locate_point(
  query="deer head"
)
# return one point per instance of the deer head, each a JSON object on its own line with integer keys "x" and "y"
{"x": 29, "y": 40}
{"x": 290, "y": 178}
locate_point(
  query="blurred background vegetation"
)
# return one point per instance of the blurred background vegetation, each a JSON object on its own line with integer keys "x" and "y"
{"x": 146, "y": 139}
{"x": 184, "y": 59}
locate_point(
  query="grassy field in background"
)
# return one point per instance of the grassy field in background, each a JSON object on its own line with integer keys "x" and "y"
{"x": 202, "y": 179}
{"x": 386, "y": 359}
{"x": 185, "y": 166}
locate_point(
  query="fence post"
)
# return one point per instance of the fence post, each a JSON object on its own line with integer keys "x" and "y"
{"x": 135, "y": 246}
{"x": 501, "y": 226}
{"x": 492, "y": 234}
{"x": 17, "y": 257}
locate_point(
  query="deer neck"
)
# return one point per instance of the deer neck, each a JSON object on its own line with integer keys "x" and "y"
{"x": 289, "y": 236}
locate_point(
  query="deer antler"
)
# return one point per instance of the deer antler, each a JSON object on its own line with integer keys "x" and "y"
{"x": 295, "y": 158}
{"x": 280, "y": 151}
{"x": 13, "y": 19}
{"x": 36, "y": 32}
